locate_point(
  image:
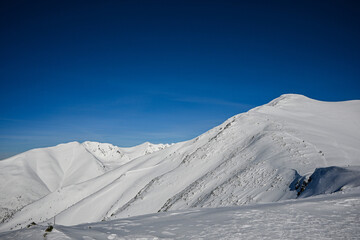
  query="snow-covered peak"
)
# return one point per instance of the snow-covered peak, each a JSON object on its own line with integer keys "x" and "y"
{"x": 113, "y": 156}
{"x": 286, "y": 98}
{"x": 105, "y": 151}
{"x": 144, "y": 149}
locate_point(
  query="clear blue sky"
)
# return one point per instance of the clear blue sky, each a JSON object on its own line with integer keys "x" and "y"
{"x": 126, "y": 72}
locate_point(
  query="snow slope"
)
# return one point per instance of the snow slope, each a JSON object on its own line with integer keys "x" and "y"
{"x": 32, "y": 175}
{"x": 29, "y": 176}
{"x": 333, "y": 216}
{"x": 282, "y": 150}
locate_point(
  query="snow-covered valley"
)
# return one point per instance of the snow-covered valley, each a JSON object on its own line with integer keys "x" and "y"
{"x": 294, "y": 162}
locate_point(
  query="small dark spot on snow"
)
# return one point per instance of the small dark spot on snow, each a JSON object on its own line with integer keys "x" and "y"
{"x": 49, "y": 228}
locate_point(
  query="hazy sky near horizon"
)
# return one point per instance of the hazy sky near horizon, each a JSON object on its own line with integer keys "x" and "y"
{"x": 126, "y": 72}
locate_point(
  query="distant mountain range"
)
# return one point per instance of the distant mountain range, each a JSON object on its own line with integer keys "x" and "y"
{"x": 291, "y": 148}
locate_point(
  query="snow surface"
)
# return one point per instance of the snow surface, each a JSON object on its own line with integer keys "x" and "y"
{"x": 293, "y": 148}
{"x": 333, "y": 216}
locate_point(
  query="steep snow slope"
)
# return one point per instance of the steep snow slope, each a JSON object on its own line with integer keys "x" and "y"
{"x": 264, "y": 155}
{"x": 112, "y": 156}
{"x": 333, "y": 216}
{"x": 31, "y": 175}
{"x": 254, "y": 157}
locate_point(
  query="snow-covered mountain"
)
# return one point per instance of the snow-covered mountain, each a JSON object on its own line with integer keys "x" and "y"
{"x": 293, "y": 147}
{"x": 31, "y": 175}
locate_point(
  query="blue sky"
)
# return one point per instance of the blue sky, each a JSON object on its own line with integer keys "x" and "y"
{"x": 126, "y": 72}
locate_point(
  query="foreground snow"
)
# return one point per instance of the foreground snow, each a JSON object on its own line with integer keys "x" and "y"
{"x": 334, "y": 216}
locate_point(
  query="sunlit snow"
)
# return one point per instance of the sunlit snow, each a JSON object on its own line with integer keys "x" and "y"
{"x": 282, "y": 170}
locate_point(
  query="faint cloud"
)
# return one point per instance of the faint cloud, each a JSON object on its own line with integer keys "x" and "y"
{"x": 158, "y": 135}
{"x": 11, "y": 120}
{"x": 213, "y": 101}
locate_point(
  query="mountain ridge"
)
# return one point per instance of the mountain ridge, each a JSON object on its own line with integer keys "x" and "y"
{"x": 254, "y": 157}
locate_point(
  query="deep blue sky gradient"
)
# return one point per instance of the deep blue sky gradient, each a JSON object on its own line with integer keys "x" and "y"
{"x": 126, "y": 72}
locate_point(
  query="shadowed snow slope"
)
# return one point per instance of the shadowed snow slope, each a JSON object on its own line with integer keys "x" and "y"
{"x": 265, "y": 155}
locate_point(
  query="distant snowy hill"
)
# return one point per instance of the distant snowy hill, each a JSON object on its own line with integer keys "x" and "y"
{"x": 31, "y": 175}
{"x": 112, "y": 156}
{"x": 293, "y": 147}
